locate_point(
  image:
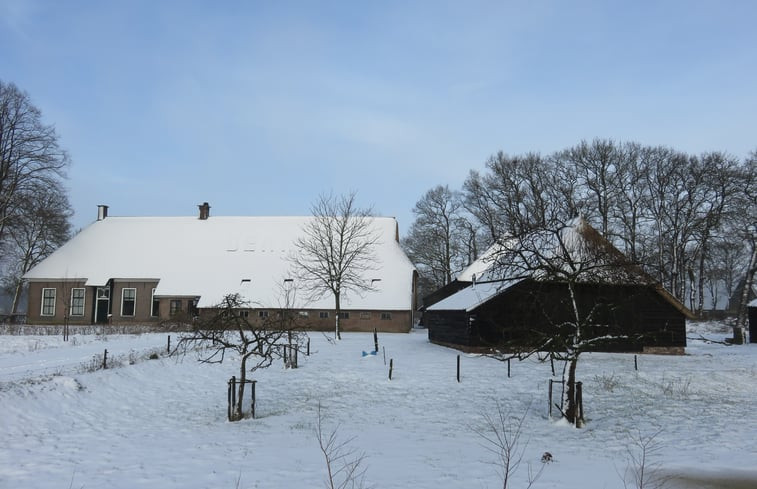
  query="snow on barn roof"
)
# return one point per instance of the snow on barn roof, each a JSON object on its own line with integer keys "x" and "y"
{"x": 578, "y": 238}
{"x": 472, "y": 296}
{"x": 209, "y": 258}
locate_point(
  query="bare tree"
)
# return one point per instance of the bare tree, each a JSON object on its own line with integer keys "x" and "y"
{"x": 30, "y": 157}
{"x": 227, "y": 329}
{"x": 642, "y": 470}
{"x": 747, "y": 231}
{"x": 40, "y": 225}
{"x": 502, "y": 434}
{"x": 566, "y": 255}
{"x": 442, "y": 240}
{"x": 336, "y": 251}
{"x": 345, "y": 466}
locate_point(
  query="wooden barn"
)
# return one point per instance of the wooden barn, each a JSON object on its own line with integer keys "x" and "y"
{"x": 486, "y": 315}
{"x": 496, "y": 312}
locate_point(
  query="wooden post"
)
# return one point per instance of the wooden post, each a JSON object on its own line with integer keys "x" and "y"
{"x": 635, "y": 363}
{"x": 168, "y": 347}
{"x": 552, "y": 362}
{"x": 295, "y": 356}
{"x": 233, "y": 398}
{"x": 579, "y": 404}
{"x": 253, "y": 399}
{"x": 384, "y": 350}
{"x": 391, "y": 367}
{"x": 308, "y": 354}
{"x": 105, "y": 359}
{"x": 550, "y": 398}
{"x": 228, "y": 401}
{"x": 458, "y": 368}
{"x": 375, "y": 339}
{"x": 508, "y": 368}
{"x": 285, "y": 356}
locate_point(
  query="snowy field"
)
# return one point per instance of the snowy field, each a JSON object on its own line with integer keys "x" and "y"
{"x": 161, "y": 423}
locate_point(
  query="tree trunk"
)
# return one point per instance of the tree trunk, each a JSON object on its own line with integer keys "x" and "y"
{"x": 16, "y": 296}
{"x": 239, "y": 408}
{"x": 338, "y": 308}
{"x": 571, "y": 409}
{"x": 739, "y": 335}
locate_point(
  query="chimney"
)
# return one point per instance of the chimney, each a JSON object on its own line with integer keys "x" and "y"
{"x": 204, "y": 211}
{"x": 102, "y": 212}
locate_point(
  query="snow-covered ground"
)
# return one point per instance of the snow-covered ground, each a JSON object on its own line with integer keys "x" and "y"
{"x": 162, "y": 422}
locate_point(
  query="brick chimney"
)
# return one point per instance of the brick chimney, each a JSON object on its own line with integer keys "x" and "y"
{"x": 204, "y": 211}
{"x": 102, "y": 212}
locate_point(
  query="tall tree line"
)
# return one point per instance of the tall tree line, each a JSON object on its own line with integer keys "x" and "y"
{"x": 689, "y": 220}
{"x": 34, "y": 206}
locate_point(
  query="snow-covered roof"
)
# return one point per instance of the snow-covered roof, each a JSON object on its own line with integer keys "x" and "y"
{"x": 210, "y": 258}
{"x": 577, "y": 239}
{"x": 472, "y": 296}
{"x": 480, "y": 266}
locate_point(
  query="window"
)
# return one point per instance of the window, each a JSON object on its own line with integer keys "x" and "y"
{"x": 386, "y": 316}
{"x": 323, "y": 315}
{"x": 262, "y": 314}
{"x": 175, "y": 307}
{"x": 365, "y": 315}
{"x": 304, "y": 314}
{"x": 128, "y": 302}
{"x": 244, "y": 314}
{"x": 155, "y": 310}
{"x": 344, "y": 315}
{"x": 77, "y": 302}
{"x": 48, "y": 302}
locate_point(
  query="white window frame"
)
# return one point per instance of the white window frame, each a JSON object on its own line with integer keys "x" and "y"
{"x": 83, "y": 302}
{"x": 123, "y": 300}
{"x": 54, "y": 299}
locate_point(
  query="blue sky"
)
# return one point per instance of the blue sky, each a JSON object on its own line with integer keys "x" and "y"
{"x": 260, "y": 106}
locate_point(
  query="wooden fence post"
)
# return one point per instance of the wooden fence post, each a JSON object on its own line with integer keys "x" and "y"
{"x": 105, "y": 359}
{"x": 508, "y": 368}
{"x": 168, "y": 347}
{"x": 391, "y": 367}
{"x": 308, "y": 354}
{"x": 635, "y": 363}
{"x": 233, "y": 404}
{"x": 458, "y": 368}
{"x": 253, "y": 399}
{"x": 375, "y": 339}
{"x": 228, "y": 400}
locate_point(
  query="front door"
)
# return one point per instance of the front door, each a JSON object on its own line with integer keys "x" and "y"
{"x": 102, "y": 304}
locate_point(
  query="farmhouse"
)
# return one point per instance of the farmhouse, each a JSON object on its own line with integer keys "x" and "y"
{"x": 496, "y": 310}
{"x": 122, "y": 270}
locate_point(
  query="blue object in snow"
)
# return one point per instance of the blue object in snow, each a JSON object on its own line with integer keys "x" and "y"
{"x": 366, "y": 353}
